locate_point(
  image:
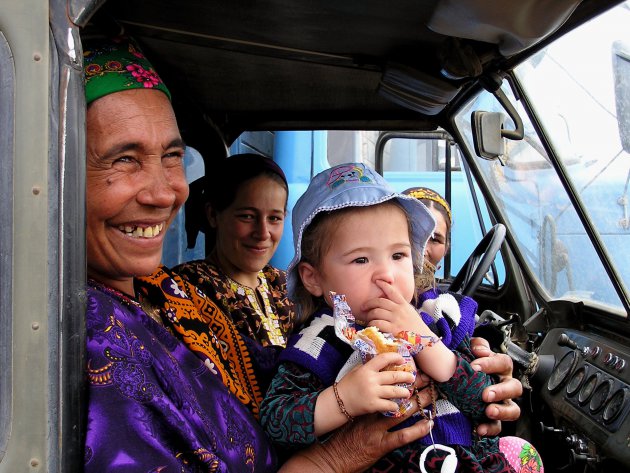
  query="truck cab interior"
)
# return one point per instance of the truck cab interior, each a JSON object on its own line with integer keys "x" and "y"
{"x": 522, "y": 110}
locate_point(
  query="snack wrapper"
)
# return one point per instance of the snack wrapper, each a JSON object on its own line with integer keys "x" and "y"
{"x": 362, "y": 340}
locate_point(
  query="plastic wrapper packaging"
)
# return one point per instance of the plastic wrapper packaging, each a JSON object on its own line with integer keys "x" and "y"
{"x": 369, "y": 342}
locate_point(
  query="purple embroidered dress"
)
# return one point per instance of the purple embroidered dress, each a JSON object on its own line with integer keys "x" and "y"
{"x": 154, "y": 405}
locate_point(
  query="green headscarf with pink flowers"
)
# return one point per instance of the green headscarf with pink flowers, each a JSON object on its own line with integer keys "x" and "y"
{"x": 115, "y": 65}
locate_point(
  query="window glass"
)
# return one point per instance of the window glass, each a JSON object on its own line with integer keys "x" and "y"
{"x": 572, "y": 90}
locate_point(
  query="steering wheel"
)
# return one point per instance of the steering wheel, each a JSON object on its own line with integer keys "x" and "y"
{"x": 479, "y": 261}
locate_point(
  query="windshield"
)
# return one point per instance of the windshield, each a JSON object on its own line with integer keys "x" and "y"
{"x": 571, "y": 88}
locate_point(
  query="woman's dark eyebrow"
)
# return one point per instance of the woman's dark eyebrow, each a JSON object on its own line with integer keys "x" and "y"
{"x": 121, "y": 148}
{"x": 134, "y": 146}
{"x": 177, "y": 143}
{"x": 255, "y": 209}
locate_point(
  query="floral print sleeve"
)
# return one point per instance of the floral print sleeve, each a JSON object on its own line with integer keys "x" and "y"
{"x": 287, "y": 412}
{"x": 465, "y": 386}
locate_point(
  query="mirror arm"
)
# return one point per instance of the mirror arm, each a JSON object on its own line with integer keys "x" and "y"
{"x": 519, "y": 132}
{"x": 492, "y": 84}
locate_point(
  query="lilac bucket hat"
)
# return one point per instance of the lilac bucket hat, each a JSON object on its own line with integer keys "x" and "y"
{"x": 352, "y": 185}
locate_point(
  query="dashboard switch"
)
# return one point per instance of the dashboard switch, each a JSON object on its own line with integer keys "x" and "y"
{"x": 610, "y": 359}
{"x": 620, "y": 364}
{"x": 592, "y": 352}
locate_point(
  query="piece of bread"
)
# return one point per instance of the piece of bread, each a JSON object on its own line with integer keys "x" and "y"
{"x": 382, "y": 344}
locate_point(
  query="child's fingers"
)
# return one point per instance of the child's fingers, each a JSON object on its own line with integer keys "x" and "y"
{"x": 381, "y": 375}
{"x": 383, "y": 360}
{"x": 390, "y": 300}
{"x": 382, "y": 398}
{"x": 393, "y": 392}
{"x": 383, "y": 325}
{"x": 392, "y": 326}
{"x": 381, "y": 313}
{"x": 378, "y": 303}
{"x": 391, "y": 292}
{"x": 389, "y": 377}
{"x": 386, "y": 405}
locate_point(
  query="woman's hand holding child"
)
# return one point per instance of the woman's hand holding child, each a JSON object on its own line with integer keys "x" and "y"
{"x": 499, "y": 395}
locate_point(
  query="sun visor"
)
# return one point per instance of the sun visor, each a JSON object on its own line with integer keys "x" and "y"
{"x": 416, "y": 90}
{"x": 513, "y": 26}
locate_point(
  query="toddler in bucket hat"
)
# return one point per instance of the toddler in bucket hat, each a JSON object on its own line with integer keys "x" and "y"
{"x": 358, "y": 247}
{"x": 353, "y": 185}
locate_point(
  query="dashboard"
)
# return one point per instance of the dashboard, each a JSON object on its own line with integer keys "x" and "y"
{"x": 588, "y": 392}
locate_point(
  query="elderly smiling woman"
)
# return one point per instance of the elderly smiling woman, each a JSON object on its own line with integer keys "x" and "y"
{"x": 162, "y": 395}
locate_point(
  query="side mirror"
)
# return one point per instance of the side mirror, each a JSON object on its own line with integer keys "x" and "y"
{"x": 487, "y": 127}
{"x": 487, "y": 139}
{"x": 621, "y": 73}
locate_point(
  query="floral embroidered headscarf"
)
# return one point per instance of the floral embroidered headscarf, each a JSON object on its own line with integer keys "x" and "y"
{"x": 117, "y": 64}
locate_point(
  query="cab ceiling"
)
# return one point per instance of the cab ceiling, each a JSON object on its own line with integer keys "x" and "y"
{"x": 295, "y": 63}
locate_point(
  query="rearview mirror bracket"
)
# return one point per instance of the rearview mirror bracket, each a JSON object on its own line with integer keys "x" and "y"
{"x": 488, "y": 129}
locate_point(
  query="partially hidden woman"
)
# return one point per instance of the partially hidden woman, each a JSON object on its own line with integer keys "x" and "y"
{"x": 171, "y": 383}
{"x": 245, "y": 208}
{"x": 446, "y": 308}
